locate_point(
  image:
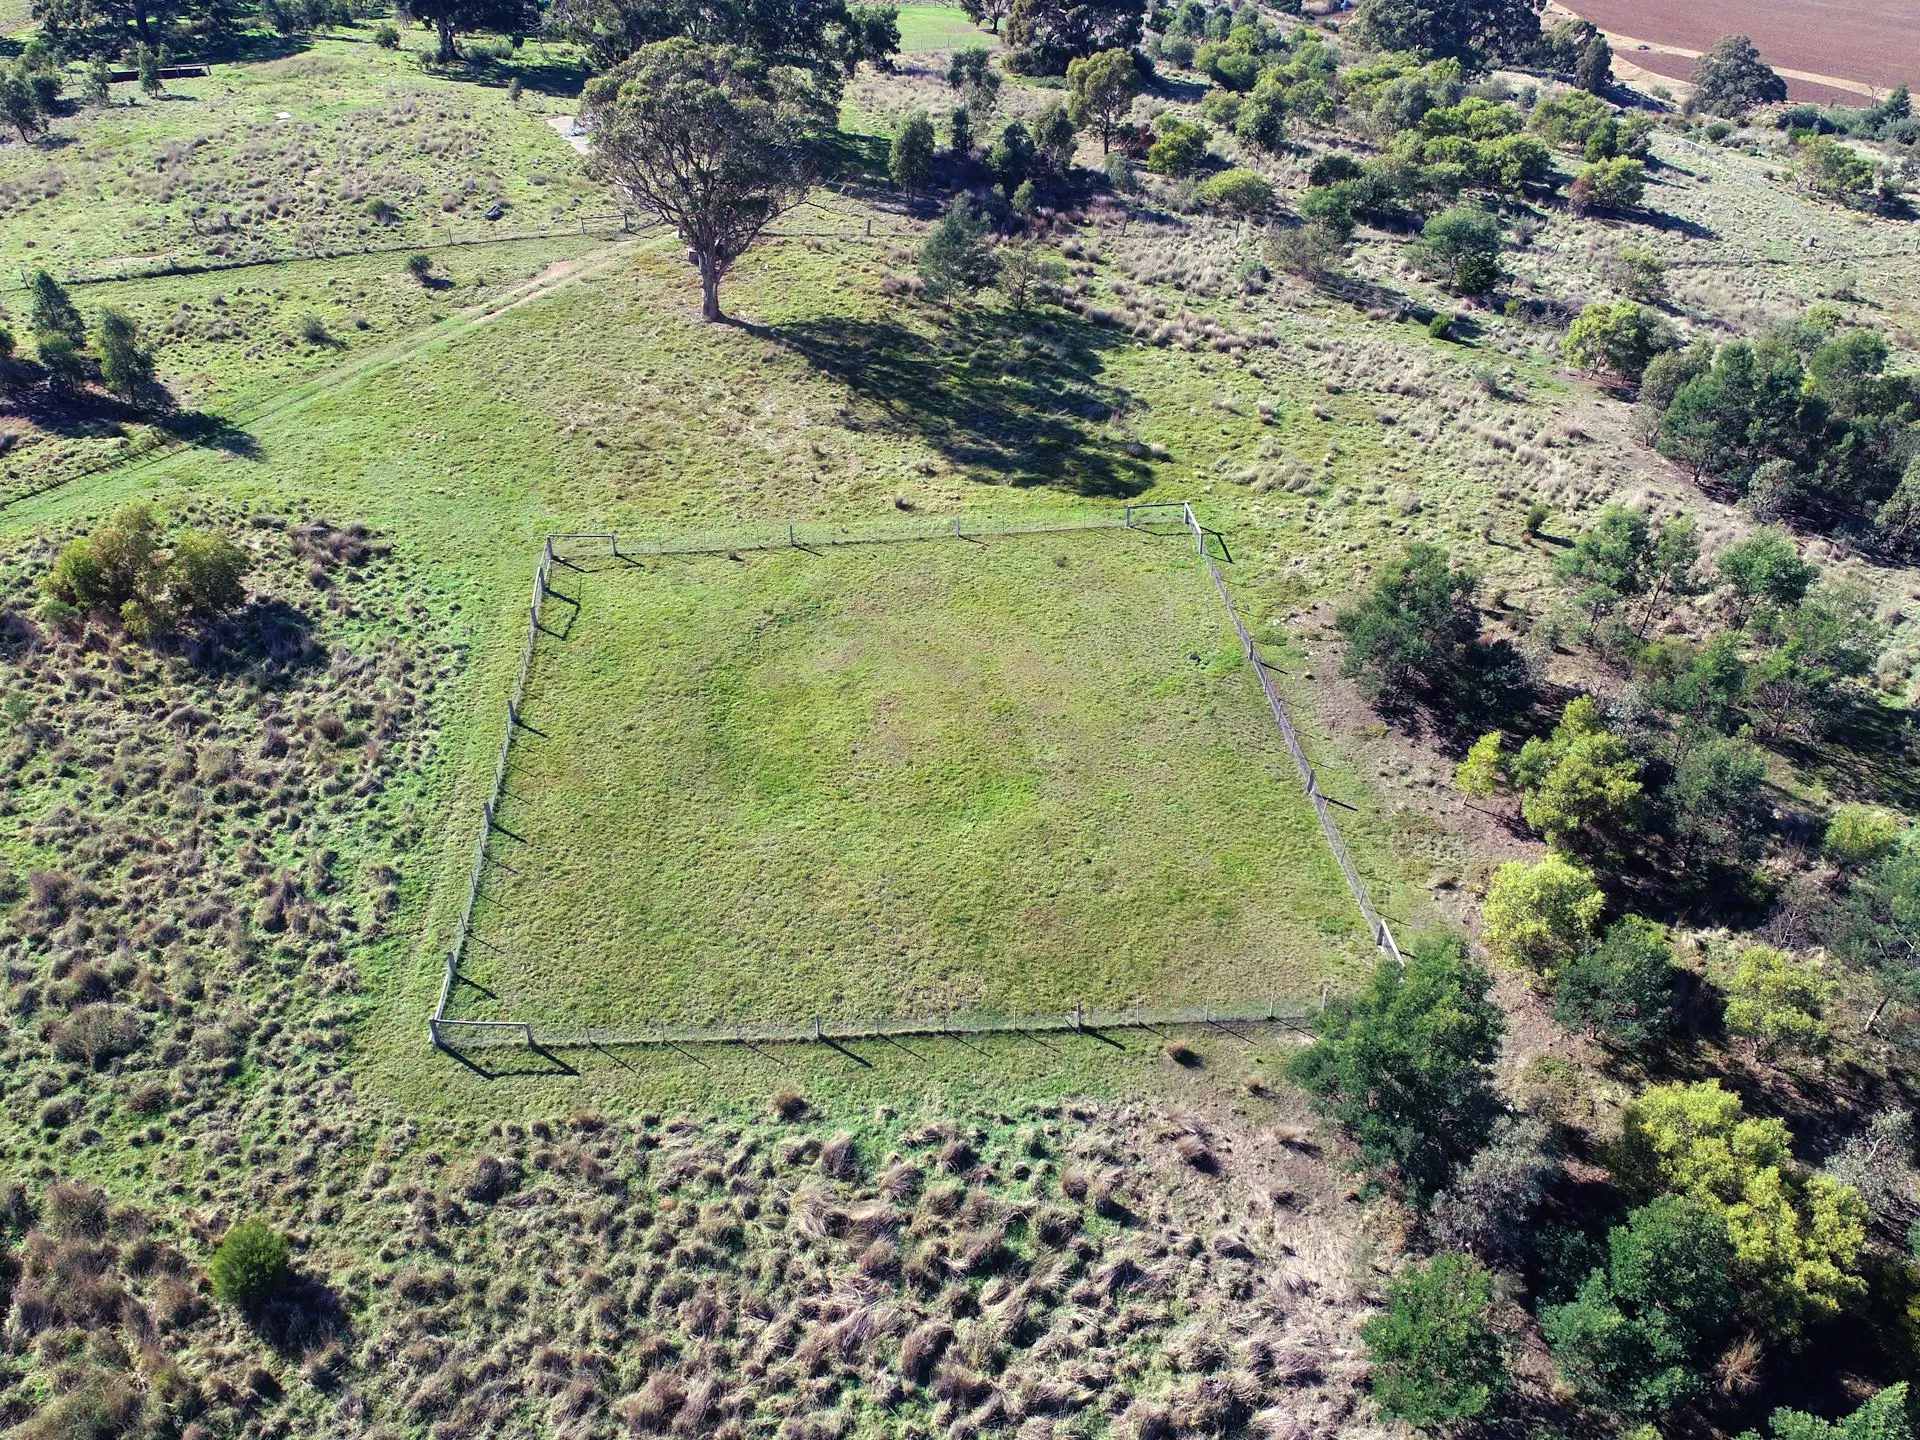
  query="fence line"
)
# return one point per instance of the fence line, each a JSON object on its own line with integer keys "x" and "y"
{"x": 1382, "y": 936}
{"x": 801, "y": 536}
{"x": 821, "y": 1029}
{"x": 458, "y": 949}
{"x": 621, "y": 222}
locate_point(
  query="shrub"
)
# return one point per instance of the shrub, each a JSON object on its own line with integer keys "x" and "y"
{"x": 1776, "y": 1000}
{"x": 1540, "y": 915}
{"x": 1858, "y": 836}
{"x": 420, "y": 266}
{"x": 1239, "y": 190}
{"x": 118, "y": 562}
{"x": 1437, "y": 1359}
{"x": 1488, "y": 1209}
{"x": 250, "y": 1266}
{"x": 1403, "y": 1066}
{"x": 205, "y": 574}
{"x": 381, "y": 212}
{"x": 1440, "y": 327}
{"x": 385, "y": 36}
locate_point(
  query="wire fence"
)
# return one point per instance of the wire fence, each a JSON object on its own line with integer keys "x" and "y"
{"x": 573, "y": 549}
{"x": 1382, "y": 935}
{"x": 437, "y": 237}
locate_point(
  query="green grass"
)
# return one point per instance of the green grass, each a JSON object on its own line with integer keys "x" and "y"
{"x": 1006, "y": 776}
{"x": 211, "y": 167}
{"x": 939, "y": 28}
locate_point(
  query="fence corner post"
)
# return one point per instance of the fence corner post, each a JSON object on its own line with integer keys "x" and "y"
{"x": 816, "y": 1028}
{"x": 433, "y": 1030}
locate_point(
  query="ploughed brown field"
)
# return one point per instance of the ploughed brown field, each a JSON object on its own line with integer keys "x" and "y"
{"x": 1873, "y": 42}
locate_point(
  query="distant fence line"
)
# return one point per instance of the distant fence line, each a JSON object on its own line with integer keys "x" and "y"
{"x": 805, "y": 536}
{"x": 619, "y": 222}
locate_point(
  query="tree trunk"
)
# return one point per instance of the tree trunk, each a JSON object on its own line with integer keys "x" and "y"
{"x": 140, "y": 24}
{"x": 445, "y": 27}
{"x": 710, "y": 290}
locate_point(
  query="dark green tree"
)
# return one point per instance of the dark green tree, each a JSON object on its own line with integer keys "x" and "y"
{"x": 1717, "y": 794}
{"x": 1593, "y": 71}
{"x": 1625, "y": 988}
{"x": 1731, "y": 79}
{"x": 1402, "y": 1067}
{"x": 1413, "y": 632}
{"x": 449, "y": 19}
{"x": 126, "y": 366}
{"x": 1639, "y": 1336}
{"x": 1045, "y": 36}
{"x": 955, "y": 259}
{"x": 821, "y": 39}
{"x": 911, "y": 161}
{"x": 1874, "y": 926}
{"x": 1438, "y": 1359}
{"x": 1475, "y": 32}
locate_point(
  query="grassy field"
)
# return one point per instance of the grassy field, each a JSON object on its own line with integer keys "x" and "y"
{"x": 939, "y": 28}
{"x": 1004, "y": 775}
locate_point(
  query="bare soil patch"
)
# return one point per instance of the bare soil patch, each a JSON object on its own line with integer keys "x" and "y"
{"x": 1870, "y": 42}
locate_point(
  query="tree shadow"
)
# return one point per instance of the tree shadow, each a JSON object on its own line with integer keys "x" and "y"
{"x": 206, "y": 431}
{"x": 1021, "y": 409}
{"x": 560, "y": 79}
{"x": 269, "y": 639}
{"x": 304, "y": 1317}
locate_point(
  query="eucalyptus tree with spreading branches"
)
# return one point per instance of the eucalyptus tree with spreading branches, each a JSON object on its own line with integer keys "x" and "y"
{"x": 711, "y": 138}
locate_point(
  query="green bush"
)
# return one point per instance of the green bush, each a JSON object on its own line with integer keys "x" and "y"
{"x": 1464, "y": 244}
{"x": 1437, "y": 1359}
{"x": 250, "y": 1266}
{"x": 1859, "y": 835}
{"x": 1403, "y": 1066}
{"x": 1624, "y": 988}
{"x": 1440, "y": 327}
{"x": 1238, "y": 190}
{"x": 1180, "y": 149}
{"x": 385, "y": 36}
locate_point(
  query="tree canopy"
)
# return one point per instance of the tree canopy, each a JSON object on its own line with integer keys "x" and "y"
{"x": 713, "y": 139}
{"x": 1403, "y": 1065}
{"x": 1731, "y": 79}
{"x": 1475, "y": 32}
{"x": 1437, "y": 1357}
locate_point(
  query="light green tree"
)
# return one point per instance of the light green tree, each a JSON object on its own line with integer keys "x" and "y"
{"x": 1797, "y": 1237}
{"x": 1484, "y": 770}
{"x": 1100, "y": 91}
{"x": 1580, "y": 783}
{"x": 1859, "y": 835}
{"x": 1540, "y": 915}
{"x": 1777, "y": 1000}
{"x": 1621, "y": 339}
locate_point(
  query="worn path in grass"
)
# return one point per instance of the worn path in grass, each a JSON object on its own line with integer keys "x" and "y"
{"x": 1004, "y": 775}
{"x": 232, "y": 433}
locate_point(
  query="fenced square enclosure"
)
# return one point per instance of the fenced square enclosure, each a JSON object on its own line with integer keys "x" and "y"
{"x": 1004, "y": 775}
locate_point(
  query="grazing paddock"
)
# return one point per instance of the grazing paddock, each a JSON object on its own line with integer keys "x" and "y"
{"x": 985, "y": 777}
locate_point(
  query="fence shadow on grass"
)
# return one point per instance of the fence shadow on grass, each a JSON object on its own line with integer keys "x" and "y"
{"x": 1026, "y": 416}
